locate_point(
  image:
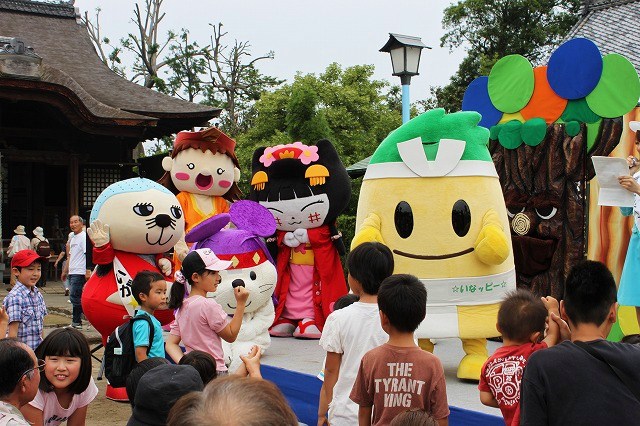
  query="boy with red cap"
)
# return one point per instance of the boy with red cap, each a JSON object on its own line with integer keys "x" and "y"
{"x": 24, "y": 303}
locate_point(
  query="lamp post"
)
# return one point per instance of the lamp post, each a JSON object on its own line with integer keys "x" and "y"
{"x": 405, "y": 58}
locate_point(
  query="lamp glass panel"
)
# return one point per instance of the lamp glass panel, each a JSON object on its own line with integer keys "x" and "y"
{"x": 397, "y": 60}
{"x": 413, "y": 59}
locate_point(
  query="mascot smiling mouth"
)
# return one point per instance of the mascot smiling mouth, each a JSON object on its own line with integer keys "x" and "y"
{"x": 159, "y": 240}
{"x": 204, "y": 182}
{"x": 433, "y": 257}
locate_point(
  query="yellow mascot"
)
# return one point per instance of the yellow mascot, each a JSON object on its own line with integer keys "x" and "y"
{"x": 432, "y": 195}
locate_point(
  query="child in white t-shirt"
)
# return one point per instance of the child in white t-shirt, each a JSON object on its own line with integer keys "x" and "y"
{"x": 351, "y": 332}
{"x": 66, "y": 387}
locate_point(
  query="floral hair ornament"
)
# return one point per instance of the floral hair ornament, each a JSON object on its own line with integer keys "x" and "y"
{"x": 316, "y": 174}
{"x": 297, "y": 150}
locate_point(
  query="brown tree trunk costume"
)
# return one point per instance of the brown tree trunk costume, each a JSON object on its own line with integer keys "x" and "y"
{"x": 537, "y": 179}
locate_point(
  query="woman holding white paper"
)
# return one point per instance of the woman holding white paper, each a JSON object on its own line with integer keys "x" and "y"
{"x": 629, "y": 289}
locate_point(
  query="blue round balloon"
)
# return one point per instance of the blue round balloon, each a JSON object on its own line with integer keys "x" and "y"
{"x": 476, "y": 98}
{"x": 575, "y": 68}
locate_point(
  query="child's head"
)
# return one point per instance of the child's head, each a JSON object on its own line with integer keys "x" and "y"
{"x": 204, "y": 363}
{"x": 157, "y": 391}
{"x": 68, "y": 361}
{"x": 414, "y": 418}
{"x": 522, "y": 317}
{"x": 402, "y": 299}
{"x": 369, "y": 264}
{"x": 26, "y": 265}
{"x": 590, "y": 294}
{"x": 632, "y": 339}
{"x": 138, "y": 371}
{"x": 200, "y": 270}
{"x": 149, "y": 289}
{"x": 346, "y": 300}
{"x": 227, "y": 398}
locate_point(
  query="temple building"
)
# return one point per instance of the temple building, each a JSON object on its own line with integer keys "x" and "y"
{"x": 68, "y": 124}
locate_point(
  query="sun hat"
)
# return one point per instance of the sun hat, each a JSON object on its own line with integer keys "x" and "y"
{"x": 38, "y": 232}
{"x": 19, "y": 230}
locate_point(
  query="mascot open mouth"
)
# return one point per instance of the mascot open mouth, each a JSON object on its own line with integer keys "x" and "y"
{"x": 204, "y": 182}
{"x": 159, "y": 242}
{"x": 532, "y": 255}
{"x": 433, "y": 257}
{"x": 294, "y": 223}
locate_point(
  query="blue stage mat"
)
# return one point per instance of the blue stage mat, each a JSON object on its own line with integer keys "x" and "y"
{"x": 303, "y": 390}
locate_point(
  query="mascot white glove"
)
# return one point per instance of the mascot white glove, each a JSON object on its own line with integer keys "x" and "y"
{"x": 165, "y": 266}
{"x": 182, "y": 249}
{"x": 290, "y": 240}
{"x": 99, "y": 233}
{"x": 301, "y": 235}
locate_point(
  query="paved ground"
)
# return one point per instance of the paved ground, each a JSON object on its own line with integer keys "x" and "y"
{"x": 292, "y": 354}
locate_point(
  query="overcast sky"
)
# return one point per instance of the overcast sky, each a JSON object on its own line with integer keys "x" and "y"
{"x": 306, "y": 36}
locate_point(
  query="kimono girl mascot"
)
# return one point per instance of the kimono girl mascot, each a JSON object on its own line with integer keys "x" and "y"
{"x": 203, "y": 172}
{"x": 305, "y": 188}
{"x": 252, "y": 267}
{"x": 133, "y": 222}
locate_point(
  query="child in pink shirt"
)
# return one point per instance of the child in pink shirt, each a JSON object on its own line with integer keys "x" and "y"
{"x": 200, "y": 321}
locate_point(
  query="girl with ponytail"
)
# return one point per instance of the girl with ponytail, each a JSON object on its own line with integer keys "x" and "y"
{"x": 200, "y": 321}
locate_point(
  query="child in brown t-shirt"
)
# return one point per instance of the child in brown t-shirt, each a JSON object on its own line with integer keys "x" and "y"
{"x": 398, "y": 375}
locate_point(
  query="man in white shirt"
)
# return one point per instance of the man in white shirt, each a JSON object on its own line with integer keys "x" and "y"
{"x": 76, "y": 268}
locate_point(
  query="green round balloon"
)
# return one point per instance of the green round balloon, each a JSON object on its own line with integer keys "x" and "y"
{"x": 533, "y": 131}
{"x": 511, "y": 83}
{"x": 617, "y": 91}
{"x": 509, "y": 136}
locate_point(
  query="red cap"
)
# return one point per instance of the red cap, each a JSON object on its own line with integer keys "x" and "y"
{"x": 212, "y": 135}
{"x": 25, "y": 258}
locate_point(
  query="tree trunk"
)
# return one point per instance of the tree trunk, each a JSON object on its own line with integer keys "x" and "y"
{"x": 537, "y": 180}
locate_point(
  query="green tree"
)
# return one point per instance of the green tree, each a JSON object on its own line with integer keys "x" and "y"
{"x": 491, "y": 29}
{"x": 345, "y": 106}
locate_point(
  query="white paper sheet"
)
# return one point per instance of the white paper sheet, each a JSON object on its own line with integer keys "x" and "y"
{"x": 607, "y": 171}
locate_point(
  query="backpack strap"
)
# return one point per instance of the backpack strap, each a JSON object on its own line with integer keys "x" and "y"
{"x": 625, "y": 380}
{"x": 151, "y": 331}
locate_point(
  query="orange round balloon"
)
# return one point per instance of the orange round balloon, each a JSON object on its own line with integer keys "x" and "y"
{"x": 544, "y": 102}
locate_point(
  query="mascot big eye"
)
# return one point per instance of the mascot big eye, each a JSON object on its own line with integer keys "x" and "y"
{"x": 203, "y": 173}
{"x": 305, "y": 188}
{"x": 133, "y": 222}
{"x": 252, "y": 268}
{"x": 432, "y": 195}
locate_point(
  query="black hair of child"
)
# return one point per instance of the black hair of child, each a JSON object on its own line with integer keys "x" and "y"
{"x": 67, "y": 342}
{"x": 632, "y": 339}
{"x": 142, "y": 283}
{"x": 204, "y": 363}
{"x": 521, "y": 314}
{"x": 176, "y": 296}
{"x": 589, "y": 292}
{"x": 370, "y": 263}
{"x": 346, "y": 300}
{"x": 14, "y": 362}
{"x": 138, "y": 371}
{"x": 403, "y": 299}
{"x": 287, "y": 180}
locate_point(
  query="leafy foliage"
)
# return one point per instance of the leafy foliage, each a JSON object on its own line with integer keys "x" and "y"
{"x": 491, "y": 29}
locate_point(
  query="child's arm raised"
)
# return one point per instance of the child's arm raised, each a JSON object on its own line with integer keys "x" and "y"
{"x": 553, "y": 332}
{"x": 331, "y": 374}
{"x": 230, "y": 332}
{"x": 4, "y": 322}
{"x": 171, "y": 348}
